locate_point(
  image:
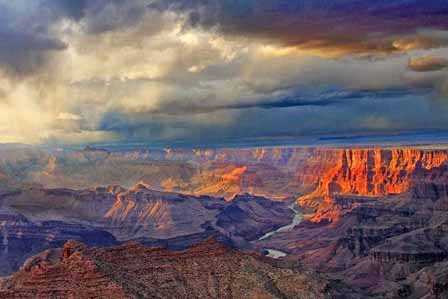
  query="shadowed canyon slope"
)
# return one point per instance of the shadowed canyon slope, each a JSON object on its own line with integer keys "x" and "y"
{"x": 207, "y": 270}
{"x": 141, "y": 212}
{"x": 34, "y": 219}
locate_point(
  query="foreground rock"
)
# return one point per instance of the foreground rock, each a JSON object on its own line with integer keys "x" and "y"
{"x": 207, "y": 270}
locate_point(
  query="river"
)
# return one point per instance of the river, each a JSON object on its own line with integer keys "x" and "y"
{"x": 295, "y": 221}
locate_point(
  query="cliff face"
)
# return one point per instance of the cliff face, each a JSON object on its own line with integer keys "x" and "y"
{"x": 379, "y": 172}
{"x": 276, "y": 173}
{"x": 207, "y": 270}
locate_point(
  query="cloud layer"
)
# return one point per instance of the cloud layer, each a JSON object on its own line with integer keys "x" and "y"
{"x": 205, "y": 72}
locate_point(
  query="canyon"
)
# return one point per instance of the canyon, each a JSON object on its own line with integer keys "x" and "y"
{"x": 359, "y": 212}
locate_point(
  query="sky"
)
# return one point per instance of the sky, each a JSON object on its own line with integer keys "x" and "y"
{"x": 220, "y": 71}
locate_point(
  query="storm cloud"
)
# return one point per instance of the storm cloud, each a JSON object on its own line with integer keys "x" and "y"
{"x": 330, "y": 28}
{"x": 204, "y": 72}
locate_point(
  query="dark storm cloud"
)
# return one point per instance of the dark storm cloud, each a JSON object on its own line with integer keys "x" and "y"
{"x": 338, "y": 27}
{"x": 72, "y": 9}
{"x": 333, "y": 28}
{"x": 29, "y": 40}
{"x": 360, "y": 116}
{"x": 23, "y": 53}
{"x": 218, "y": 69}
{"x": 162, "y": 120}
{"x": 26, "y": 42}
{"x": 296, "y": 98}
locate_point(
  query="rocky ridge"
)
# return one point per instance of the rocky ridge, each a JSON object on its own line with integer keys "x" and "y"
{"x": 207, "y": 270}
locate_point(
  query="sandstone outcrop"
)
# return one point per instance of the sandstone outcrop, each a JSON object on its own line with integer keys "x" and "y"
{"x": 379, "y": 172}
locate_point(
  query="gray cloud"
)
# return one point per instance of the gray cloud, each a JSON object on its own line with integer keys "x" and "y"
{"x": 103, "y": 16}
{"x": 24, "y": 53}
{"x": 72, "y": 9}
{"x": 26, "y": 41}
{"x": 30, "y": 31}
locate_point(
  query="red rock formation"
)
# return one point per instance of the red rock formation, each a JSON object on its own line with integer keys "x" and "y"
{"x": 74, "y": 276}
{"x": 377, "y": 172}
{"x": 225, "y": 181}
{"x": 207, "y": 270}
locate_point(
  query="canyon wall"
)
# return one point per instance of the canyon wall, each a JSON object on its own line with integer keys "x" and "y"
{"x": 381, "y": 172}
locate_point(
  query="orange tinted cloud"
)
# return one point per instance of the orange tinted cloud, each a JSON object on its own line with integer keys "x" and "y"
{"x": 427, "y": 63}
